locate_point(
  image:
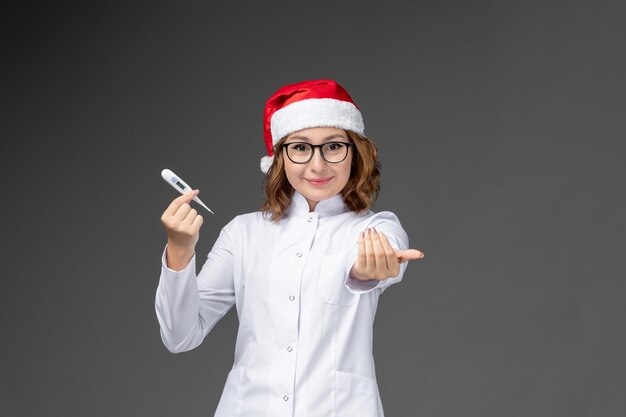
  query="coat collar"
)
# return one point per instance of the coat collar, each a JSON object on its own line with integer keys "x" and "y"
{"x": 324, "y": 208}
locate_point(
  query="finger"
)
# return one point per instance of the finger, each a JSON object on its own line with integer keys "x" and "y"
{"x": 197, "y": 222}
{"x": 370, "y": 256}
{"x": 409, "y": 254}
{"x": 392, "y": 260}
{"x": 362, "y": 260}
{"x": 191, "y": 216}
{"x": 389, "y": 251}
{"x": 182, "y": 212}
{"x": 379, "y": 252}
{"x": 179, "y": 201}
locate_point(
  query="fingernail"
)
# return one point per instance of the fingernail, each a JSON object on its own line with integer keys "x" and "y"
{"x": 196, "y": 192}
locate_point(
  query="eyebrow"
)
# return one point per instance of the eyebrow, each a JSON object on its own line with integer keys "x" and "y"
{"x": 327, "y": 138}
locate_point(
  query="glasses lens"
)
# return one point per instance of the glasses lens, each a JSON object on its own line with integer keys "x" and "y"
{"x": 335, "y": 152}
{"x": 299, "y": 152}
{"x": 332, "y": 152}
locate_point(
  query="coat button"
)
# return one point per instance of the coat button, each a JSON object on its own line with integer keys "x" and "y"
{"x": 291, "y": 297}
{"x": 299, "y": 255}
{"x": 310, "y": 219}
{"x": 289, "y": 348}
{"x": 286, "y": 398}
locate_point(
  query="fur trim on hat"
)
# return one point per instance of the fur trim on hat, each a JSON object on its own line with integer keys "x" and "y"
{"x": 321, "y": 112}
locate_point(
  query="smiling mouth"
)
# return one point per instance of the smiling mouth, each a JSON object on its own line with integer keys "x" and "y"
{"x": 320, "y": 181}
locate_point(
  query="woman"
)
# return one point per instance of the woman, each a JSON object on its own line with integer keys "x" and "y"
{"x": 305, "y": 273}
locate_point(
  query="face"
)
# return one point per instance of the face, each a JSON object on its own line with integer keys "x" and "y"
{"x": 317, "y": 179}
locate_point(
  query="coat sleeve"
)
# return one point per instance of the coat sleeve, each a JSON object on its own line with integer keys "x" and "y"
{"x": 388, "y": 223}
{"x": 188, "y": 307}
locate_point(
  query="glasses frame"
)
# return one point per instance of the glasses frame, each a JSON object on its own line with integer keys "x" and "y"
{"x": 347, "y": 144}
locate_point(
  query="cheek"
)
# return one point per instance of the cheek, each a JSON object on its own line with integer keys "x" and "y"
{"x": 347, "y": 169}
{"x": 344, "y": 176}
{"x": 292, "y": 173}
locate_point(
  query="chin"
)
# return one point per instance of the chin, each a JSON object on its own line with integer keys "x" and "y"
{"x": 319, "y": 196}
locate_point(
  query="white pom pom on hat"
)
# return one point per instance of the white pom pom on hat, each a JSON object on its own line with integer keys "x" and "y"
{"x": 315, "y": 103}
{"x": 266, "y": 163}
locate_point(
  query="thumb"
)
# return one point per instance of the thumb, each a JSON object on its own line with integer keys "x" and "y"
{"x": 189, "y": 195}
{"x": 409, "y": 254}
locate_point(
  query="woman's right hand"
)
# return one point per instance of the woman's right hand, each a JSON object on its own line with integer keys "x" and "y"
{"x": 182, "y": 225}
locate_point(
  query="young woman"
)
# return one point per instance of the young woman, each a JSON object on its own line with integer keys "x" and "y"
{"x": 304, "y": 273}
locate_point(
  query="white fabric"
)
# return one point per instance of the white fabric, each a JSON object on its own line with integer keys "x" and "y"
{"x": 304, "y": 344}
{"x": 266, "y": 163}
{"x": 316, "y": 112}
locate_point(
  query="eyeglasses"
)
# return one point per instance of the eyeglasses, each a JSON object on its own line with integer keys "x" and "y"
{"x": 302, "y": 152}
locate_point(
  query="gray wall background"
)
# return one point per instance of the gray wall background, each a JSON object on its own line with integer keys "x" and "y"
{"x": 501, "y": 131}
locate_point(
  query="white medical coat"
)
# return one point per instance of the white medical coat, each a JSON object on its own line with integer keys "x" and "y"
{"x": 304, "y": 344}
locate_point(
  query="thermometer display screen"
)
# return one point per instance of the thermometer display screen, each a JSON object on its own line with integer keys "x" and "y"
{"x": 182, "y": 187}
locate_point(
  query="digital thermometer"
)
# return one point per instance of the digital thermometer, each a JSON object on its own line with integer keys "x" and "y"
{"x": 180, "y": 185}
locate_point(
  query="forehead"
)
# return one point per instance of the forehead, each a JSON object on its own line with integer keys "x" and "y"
{"x": 318, "y": 134}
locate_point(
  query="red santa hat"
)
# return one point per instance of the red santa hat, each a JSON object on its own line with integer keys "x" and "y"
{"x": 316, "y": 103}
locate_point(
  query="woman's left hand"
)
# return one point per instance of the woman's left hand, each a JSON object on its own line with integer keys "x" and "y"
{"x": 377, "y": 259}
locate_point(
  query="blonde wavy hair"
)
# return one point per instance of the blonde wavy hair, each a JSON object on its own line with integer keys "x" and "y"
{"x": 358, "y": 195}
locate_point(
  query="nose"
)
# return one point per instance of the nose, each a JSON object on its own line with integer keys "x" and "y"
{"x": 317, "y": 163}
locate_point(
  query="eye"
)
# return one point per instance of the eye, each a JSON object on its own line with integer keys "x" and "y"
{"x": 299, "y": 147}
{"x": 334, "y": 146}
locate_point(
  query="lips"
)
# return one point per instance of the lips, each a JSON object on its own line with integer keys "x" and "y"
{"x": 318, "y": 181}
